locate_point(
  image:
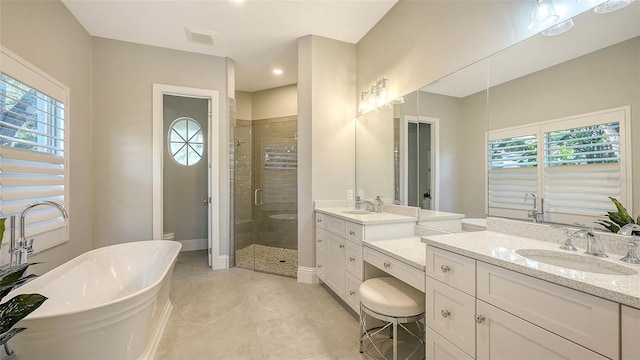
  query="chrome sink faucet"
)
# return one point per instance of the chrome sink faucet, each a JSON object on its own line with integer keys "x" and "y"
{"x": 628, "y": 230}
{"x": 535, "y": 214}
{"x": 22, "y": 247}
{"x": 594, "y": 244}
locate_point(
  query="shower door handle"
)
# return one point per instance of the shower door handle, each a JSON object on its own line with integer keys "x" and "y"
{"x": 255, "y": 197}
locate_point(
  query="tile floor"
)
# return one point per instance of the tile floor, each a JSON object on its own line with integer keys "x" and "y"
{"x": 242, "y": 314}
{"x": 269, "y": 259}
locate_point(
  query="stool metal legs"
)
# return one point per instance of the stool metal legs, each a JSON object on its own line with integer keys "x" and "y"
{"x": 392, "y": 323}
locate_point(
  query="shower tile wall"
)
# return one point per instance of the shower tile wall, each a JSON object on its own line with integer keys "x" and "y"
{"x": 277, "y": 221}
{"x": 243, "y": 184}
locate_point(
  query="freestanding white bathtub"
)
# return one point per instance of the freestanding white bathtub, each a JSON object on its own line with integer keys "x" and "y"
{"x": 108, "y": 303}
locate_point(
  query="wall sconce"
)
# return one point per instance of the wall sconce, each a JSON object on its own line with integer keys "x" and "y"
{"x": 559, "y": 29}
{"x": 611, "y": 6}
{"x": 543, "y": 15}
{"x": 377, "y": 96}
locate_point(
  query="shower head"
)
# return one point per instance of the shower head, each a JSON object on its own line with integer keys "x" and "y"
{"x": 238, "y": 142}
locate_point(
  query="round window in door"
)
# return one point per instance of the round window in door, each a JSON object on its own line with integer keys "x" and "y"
{"x": 185, "y": 141}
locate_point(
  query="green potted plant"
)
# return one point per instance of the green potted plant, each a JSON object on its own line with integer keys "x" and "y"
{"x": 19, "y": 306}
{"x": 618, "y": 219}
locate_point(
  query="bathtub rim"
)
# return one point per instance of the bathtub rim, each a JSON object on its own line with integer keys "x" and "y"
{"x": 25, "y": 289}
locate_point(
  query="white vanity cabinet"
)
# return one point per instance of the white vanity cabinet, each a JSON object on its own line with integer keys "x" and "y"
{"x": 483, "y": 311}
{"x": 630, "y": 332}
{"x": 339, "y": 252}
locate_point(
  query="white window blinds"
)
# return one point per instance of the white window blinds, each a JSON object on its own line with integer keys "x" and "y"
{"x": 33, "y": 150}
{"x": 576, "y": 163}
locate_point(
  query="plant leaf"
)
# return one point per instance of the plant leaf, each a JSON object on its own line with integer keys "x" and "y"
{"x": 4, "y": 290}
{"x": 624, "y": 215}
{"x": 2, "y": 229}
{"x": 9, "y": 334}
{"x": 17, "y": 308}
{"x": 615, "y": 217}
{"x": 608, "y": 225}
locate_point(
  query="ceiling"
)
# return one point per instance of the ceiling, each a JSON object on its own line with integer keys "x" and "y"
{"x": 259, "y": 35}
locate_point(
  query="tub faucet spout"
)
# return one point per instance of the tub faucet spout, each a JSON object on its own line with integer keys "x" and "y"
{"x": 19, "y": 249}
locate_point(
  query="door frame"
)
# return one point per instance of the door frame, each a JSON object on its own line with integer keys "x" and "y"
{"x": 435, "y": 155}
{"x": 213, "y": 166}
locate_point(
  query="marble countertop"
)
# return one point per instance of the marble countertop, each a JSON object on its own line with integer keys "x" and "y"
{"x": 500, "y": 249}
{"x": 433, "y": 215}
{"x": 369, "y": 218}
{"x": 410, "y": 251}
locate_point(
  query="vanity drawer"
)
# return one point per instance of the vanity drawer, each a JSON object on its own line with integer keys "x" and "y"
{"x": 335, "y": 225}
{"x": 321, "y": 240}
{"x": 450, "y": 313}
{"x": 440, "y": 348}
{"x": 353, "y": 232}
{"x": 395, "y": 268}
{"x": 452, "y": 269}
{"x": 354, "y": 259}
{"x": 588, "y": 320}
{"x": 321, "y": 262}
{"x": 321, "y": 221}
{"x": 353, "y": 297}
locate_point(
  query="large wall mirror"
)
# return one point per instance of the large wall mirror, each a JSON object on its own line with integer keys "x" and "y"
{"x": 430, "y": 149}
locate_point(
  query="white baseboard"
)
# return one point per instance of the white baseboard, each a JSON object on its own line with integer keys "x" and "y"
{"x": 194, "y": 244}
{"x": 307, "y": 275}
{"x": 222, "y": 262}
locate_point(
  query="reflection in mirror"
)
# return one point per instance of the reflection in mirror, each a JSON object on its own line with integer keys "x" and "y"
{"x": 563, "y": 115}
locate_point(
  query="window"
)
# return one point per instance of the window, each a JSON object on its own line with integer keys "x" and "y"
{"x": 574, "y": 164}
{"x": 33, "y": 149}
{"x": 185, "y": 141}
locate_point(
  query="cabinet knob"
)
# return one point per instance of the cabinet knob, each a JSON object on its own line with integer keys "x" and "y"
{"x": 479, "y": 318}
{"x": 352, "y": 259}
{"x": 319, "y": 220}
{"x": 351, "y": 232}
{"x": 387, "y": 265}
{"x": 341, "y": 246}
{"x": 445, "y": 313}
{"x": 445, "y": 268}
{"x": 319, "y": 240}
{"x": 352, "y": 292}
{"x": 319, "y": 265}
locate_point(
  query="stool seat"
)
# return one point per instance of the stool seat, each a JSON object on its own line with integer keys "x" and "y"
{"x": 391, "y": 297}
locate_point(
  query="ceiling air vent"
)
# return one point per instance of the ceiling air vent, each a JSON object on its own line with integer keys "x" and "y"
{"x": 201, "y": 36}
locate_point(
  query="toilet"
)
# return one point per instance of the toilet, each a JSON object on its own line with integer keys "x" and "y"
{"x": 166, "y": 235}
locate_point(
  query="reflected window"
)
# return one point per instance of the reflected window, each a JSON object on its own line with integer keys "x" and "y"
{"x": 185, "y": 141}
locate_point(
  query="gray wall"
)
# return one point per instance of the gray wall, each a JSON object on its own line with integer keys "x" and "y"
{"x": 45, "y": 34}
{"x": 123, "y": 76}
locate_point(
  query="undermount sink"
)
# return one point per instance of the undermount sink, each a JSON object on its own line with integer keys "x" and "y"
{"x": 357, "y": 212}
{"x": 575, "y": 262}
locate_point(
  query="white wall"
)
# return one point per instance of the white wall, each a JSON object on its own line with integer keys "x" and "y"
{"x": 123, "y": 76}
{"x": 276, "y": 102}
{"x": 45, "y": 34}
{"x": 326, "y": 112}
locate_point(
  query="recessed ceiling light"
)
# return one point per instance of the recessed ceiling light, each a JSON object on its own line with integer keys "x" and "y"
{"x": 277, "y": 71}
{"x": 238, "y": 1}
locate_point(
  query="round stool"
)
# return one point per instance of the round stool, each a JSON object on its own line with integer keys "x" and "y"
{"x": 395, "y": 303}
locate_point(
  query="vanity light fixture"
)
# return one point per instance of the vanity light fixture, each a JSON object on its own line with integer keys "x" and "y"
{"x": 543, "y": 15}
{"x": 559, "y": 29}
{"x": 611, "y": 6}
{"x": 377, "y": 96}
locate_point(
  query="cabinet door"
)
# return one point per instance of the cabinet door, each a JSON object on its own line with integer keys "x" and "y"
{"x": 501, "y": 335}
{"x": 335, "y": 270}
{"x": 450, "y": 312}
{"x": 630, "y": 331}
{"x": 352, "y": 292}
{"x": 438, "y": 348}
